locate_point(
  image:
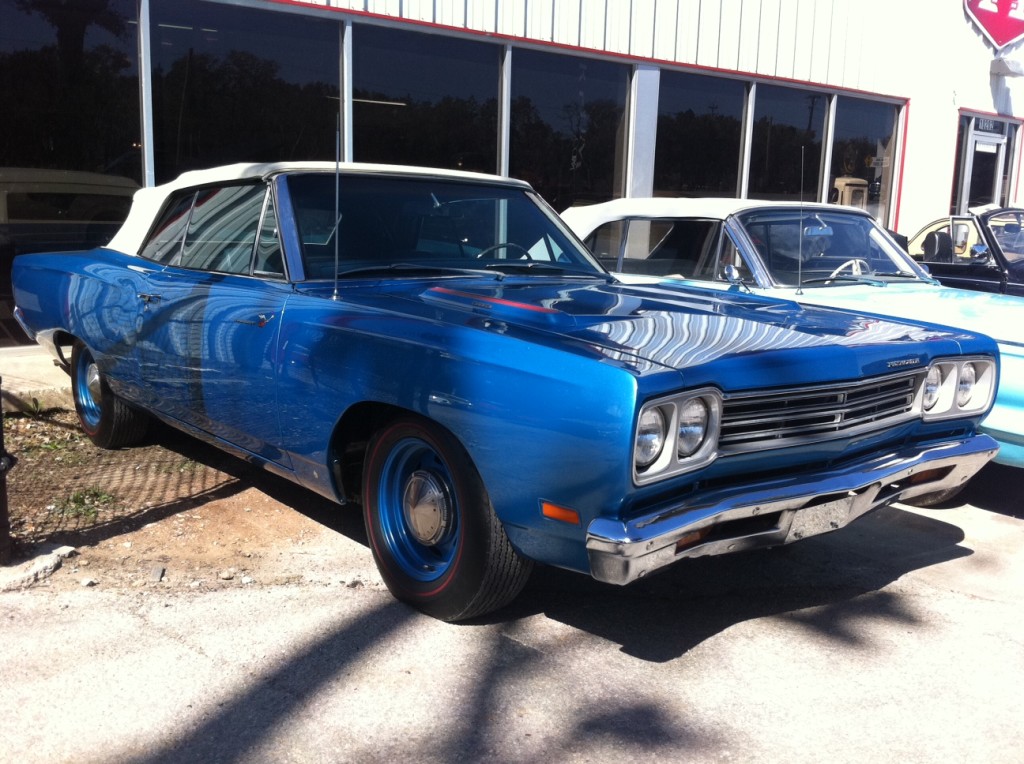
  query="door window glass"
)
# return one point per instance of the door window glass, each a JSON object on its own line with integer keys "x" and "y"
{"x": 606, "y": 243}
{"x": 164, "y": 244}
{"x": 269, "y": 256}
{"x": 222, "y": 229}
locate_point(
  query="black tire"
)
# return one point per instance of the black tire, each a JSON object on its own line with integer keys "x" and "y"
{"x": 933, "y": 499}
{"x": 434, "y": 535}
{"x": 106, "y": 419}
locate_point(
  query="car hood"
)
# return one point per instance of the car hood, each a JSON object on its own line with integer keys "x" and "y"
{"x": 997, "y": 315}
{"x": 650, "y": 328}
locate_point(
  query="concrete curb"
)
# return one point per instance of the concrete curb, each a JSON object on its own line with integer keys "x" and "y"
{"x": 33, "y": 570}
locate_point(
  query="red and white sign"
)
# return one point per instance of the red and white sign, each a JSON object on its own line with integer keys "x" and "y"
{"x": 1002, "y": 21}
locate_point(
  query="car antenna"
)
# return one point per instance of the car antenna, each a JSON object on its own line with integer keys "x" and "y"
{"x": 800, "y": 231}
{"x": 337, "y": 201}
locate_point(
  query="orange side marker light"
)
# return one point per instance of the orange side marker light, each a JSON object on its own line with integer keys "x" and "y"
{"x": 562, "y": 514}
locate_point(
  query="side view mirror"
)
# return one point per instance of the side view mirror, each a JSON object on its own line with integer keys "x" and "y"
{"x": 732, "y": 275}
{"x": 980, "y": 254}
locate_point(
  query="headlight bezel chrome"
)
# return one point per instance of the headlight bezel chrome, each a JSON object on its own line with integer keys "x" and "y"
{"x": 949, "y": 389}
{"x": 702, "y": 449}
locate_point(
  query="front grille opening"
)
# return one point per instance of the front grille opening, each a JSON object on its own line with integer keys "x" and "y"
{"x": 751, "y": 422}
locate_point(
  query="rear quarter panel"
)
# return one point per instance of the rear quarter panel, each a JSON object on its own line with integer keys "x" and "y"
{"x": 90, "y": 295}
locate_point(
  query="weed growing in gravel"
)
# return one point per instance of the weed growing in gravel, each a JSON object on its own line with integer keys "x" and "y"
{"x": 86, "y": 503}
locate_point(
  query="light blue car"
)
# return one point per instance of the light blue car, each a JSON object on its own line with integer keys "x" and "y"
{"x": 811, "y": 253}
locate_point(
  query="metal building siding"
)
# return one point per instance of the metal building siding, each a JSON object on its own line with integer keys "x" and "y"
{"x": 871, "y": 45}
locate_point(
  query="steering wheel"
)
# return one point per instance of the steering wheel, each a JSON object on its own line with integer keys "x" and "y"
{"x": 856, "y": 265}
{"x": 503, "y": 245}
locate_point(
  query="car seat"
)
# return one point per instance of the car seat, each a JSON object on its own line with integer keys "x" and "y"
{"x": 938, "y": 247}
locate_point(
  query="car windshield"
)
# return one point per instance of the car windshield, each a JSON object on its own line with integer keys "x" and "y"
{"x": 411, "y": 226}
{"x": 823, "y": 248}
{"x": 1006, "y": 228}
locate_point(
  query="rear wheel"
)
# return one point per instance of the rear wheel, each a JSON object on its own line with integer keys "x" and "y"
{"x": 106, "y": 419}
{"x": 434, "y": 535}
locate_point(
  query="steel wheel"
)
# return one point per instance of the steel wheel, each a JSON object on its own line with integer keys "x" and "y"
{"x": 418, "y": 516}
{"x": 106, "y": 419}
{"x": 435, "y": 537}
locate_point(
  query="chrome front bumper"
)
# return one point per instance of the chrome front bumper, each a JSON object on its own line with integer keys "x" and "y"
{"x": 777, "y": 512}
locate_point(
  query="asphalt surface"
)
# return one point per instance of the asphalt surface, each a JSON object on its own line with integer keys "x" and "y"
{"x": 898, "y": 638}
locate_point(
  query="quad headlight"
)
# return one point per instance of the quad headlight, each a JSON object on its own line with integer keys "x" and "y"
{"x": 676, "y": 434}
{"x": 956, "y": 388}
{"x": 650, "y": 437}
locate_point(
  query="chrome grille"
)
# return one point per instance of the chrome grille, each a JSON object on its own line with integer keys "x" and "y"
{"x": 800, "y": 415}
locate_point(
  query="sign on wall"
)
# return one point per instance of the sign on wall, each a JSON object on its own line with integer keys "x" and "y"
{"x": 1002, "y": 21}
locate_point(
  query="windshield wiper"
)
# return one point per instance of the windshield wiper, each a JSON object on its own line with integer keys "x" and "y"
{"x": 413, "y": 268}
{"x": 533, "y": 265}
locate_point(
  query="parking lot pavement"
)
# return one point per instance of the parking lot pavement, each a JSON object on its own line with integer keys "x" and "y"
{"x": 899, "y": 637}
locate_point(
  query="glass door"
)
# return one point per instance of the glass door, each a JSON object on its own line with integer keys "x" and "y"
{"x": 982, "y": 164}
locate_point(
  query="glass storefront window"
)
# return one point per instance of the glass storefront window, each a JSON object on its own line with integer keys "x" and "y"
{"x": 69, "y": 86}
{"x": 233, "y": 84}
{"x": 699, "y": 132}
{"x": 568, "y": 125}
{"x": 788, "y": 126}
{"x": 69, "y": 145}
{"x": 863, "y": 155}
{"x": 422, "y": 99}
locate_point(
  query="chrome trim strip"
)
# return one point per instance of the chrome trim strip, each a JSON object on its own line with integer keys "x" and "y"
{"x": 803, "y": 506}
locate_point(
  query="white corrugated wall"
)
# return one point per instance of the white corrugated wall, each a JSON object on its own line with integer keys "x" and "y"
{"x": 924, "y": 51}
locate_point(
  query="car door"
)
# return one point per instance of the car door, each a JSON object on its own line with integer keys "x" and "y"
{"x": 213, "y": 317}
{"x": 948, "y": 249}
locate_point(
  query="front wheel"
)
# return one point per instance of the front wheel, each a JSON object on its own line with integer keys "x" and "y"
{"x": 106, "y": 419}
{"x": 434, "y": 535}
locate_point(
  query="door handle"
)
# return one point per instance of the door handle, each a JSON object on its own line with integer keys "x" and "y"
{"x": 148, "y": 298}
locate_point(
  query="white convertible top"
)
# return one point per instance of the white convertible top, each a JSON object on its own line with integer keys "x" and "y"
{"x": 147, "y": 202}
{"x": 586, "y": 218}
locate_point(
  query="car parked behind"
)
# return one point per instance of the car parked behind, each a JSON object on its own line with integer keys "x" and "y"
{"x": 54, "y": 210}
{"x": 983, "y": 250}
{"x": 814, "y": 254}
{"x": 437, "y": 348}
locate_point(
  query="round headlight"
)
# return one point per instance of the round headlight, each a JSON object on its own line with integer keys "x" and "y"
{"x": 965, "y": 385}
{"x": 932, "y": 385}
{"x": 693, "y": 425}
{"x": 650, "y": 437}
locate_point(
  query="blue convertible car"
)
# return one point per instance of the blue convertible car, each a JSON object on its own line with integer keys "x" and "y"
{"x": 438, "y": 348}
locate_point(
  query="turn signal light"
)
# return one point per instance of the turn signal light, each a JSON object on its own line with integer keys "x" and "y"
{"x": 562, "y": 514}
{"x": 692, "y": 539}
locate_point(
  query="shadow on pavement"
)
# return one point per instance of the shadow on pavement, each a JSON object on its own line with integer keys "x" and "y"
{"x": 997, "y": 488}
{"x": 833, "y": 581}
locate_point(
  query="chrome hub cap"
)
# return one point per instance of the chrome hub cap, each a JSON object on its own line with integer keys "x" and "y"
{"x": 426, "y": 507}
{"x": 92, "y": 382}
